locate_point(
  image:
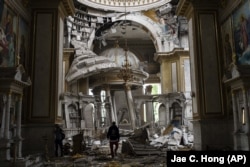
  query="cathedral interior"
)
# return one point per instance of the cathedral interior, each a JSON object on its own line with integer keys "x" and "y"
{"x": 82, "y": 64}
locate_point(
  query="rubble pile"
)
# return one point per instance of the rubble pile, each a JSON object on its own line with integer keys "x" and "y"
{"x": 153, "y": 141}
{"x": 140, "y": 147}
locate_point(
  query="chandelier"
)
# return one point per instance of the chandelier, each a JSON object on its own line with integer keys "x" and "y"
{"x": 126, "y": 72}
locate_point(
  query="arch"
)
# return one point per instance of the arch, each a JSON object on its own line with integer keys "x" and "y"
{"x": 162, "y": 115}
{"x": 89, "y": 115}
{"x": 176, "y": 113}
{"x": 122, "y": 115}
{"x": 146, "y": 24}
{"x": 72, "y": 115}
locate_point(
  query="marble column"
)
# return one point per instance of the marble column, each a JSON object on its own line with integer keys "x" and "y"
{"x": 236, "y": 122}
{"x": 246, "y": 117}
{"x": 109, "y": 98}
{"x": 149, "y": 107}
{"x": 246, "y": 111}
{"x": 3, "y": 116}
{"x": 138, "y": 116}
{"x": 114, "y": 107}
{"x": 167, "y": 115}
{"x": 7, "y": 127}
{"x": 19, "y": 120}
{"x": 130, "y": 103}
{"x": 66, "y": 113}
{"x": 150, "y": 112}
{"x": 98, "y": 106}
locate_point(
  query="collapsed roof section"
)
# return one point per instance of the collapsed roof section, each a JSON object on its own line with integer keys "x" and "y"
{"x": 87, "y": 63}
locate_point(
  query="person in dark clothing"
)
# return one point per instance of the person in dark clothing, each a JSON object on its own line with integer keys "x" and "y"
{"x": 114, "y": 138}
{"x": 59, "y": 136}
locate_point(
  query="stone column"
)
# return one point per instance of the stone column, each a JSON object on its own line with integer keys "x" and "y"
{"x": 246, "y": 117}
{"x": 114, "y": 107}
{"x": 3, "y": 116}
{"x": 109, "y": 99}
{"x": 130, "y": 103}
{"x": 69, "y": 28}
{"x": 138, "y": 116}
{"x": 246, "y": 112}
{"x": 98, "y": 105}
{"x": 139, "y": 112}
{"x": 67, "y": 52}
{"x": 7, "y": 127}
{"x": 19, "y": 120}
{"x": 149, "y": 107}
{"x": 236, "y": 122}
{"x": 167, "y": 116}
{"x": 66, "y": 103}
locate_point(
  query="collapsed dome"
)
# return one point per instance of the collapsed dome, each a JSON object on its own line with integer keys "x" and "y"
{"x": 117, "y": 55}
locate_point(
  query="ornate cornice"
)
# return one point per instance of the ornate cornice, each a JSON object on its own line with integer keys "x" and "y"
{"x": 176, "y": 52}
{"x": 185, "y": 7}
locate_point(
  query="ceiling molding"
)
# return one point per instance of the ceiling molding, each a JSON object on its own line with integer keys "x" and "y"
{"x": 119, "y": 6}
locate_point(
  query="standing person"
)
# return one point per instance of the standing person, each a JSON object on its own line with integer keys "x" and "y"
{"x": 114, "y": 138}
{"x": 59, "y": 136}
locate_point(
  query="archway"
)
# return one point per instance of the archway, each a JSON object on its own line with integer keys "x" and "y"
{"x": 176, "y": 114}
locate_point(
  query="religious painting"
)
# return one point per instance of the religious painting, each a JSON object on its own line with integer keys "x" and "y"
{"x": 241, "y": 30}
{"x": 8, "y": 32}
{"x": 227, "y": 41}
{"x": 23, "y": 40}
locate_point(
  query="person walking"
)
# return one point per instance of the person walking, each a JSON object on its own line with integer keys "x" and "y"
{"x": 59, "y": 136}
{"x": 114, "y": 138}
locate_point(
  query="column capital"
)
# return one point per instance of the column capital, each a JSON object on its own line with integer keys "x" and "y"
{"x": 127, "y": 87}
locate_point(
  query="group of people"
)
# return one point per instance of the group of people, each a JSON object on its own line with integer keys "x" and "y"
{"x": 113, "y": 136}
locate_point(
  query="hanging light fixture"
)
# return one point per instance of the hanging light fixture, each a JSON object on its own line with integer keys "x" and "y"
{"x": 126, "y": 72}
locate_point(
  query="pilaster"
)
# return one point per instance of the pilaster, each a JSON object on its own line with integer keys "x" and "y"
{"x": 172, "y": 71}
{"x": 206, "y": 76}
{"x": 47, "y": 57}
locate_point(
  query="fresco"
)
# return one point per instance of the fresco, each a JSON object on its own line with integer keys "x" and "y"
{"x": 8, "y": 32}
{"x": 241, "y": 31}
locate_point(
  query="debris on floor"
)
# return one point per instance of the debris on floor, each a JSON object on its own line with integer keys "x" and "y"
{"x": 145, "y": 146}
